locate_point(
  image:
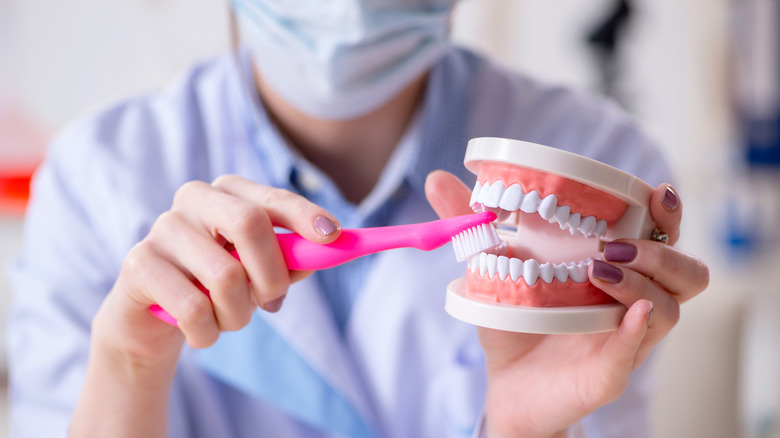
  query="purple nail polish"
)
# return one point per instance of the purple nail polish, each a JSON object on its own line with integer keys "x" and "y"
{"x": 274, "y": 305}
{"x": 605, "y": 272}
{"x": 324, "y": 226}
{"x": 619, "y": 252}
{"x": 670, "y": 200}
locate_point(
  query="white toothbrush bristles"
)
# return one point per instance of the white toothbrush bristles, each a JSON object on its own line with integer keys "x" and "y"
{"x": 476, "y": 239}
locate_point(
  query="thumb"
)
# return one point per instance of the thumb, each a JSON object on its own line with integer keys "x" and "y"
{"x": 447, "y": 194}
{"x": 622, "y": 346}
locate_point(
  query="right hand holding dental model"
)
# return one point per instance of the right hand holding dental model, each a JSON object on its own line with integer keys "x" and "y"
{"x": 135, "y": 353}
{"x": 539, "y": 385}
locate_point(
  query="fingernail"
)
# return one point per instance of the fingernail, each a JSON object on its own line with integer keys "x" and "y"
{"x": 605, "y": 272}
{"x": 619, "y": 252}
{"x": 275, "y": 305}
{"x": 324, "y": 226}
{"x": 670, "y": 200}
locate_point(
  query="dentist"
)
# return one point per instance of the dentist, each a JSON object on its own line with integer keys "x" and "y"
{"x": 346, "y": 113}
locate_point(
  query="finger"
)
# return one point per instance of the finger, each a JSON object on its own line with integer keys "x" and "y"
{"x": 204, "y": 259}
{"x": 447, "y": 194}
{"x": 622, "y": 346}
{"x": 296, "y": 276}
{"x": 286, "y": 209}
{"x": 247, "y": 226}
{"x": 158, "y": 281}
{"x": 680, "y": 273}
{"x": 666, "y": 210}
{"x": 628, "y": 286}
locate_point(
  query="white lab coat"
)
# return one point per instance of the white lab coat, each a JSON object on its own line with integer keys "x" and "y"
{"x": 403, "y": 368}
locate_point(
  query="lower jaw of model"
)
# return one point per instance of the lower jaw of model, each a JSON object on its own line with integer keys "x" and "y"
{"x": 553, "y": 227}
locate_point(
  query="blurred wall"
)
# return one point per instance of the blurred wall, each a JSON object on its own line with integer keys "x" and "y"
{"x": 61, "y": 59}
{"x": 66, "y": 57}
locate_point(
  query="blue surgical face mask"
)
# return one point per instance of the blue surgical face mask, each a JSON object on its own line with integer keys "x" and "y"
{"x": 340, "y": 59}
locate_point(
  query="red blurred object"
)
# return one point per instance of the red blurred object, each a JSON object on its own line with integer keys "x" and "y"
{"x": 23, "y": 141}
{"x": 15, "y": 188}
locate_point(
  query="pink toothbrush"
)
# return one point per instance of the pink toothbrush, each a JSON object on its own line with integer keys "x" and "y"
{"x": 470, "y": 234}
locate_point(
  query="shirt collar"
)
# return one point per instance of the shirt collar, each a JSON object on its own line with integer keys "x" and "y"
{"x": 445, "y": 119}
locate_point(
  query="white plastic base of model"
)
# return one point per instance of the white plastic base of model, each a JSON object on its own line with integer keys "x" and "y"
{"x": 525, "y": 319}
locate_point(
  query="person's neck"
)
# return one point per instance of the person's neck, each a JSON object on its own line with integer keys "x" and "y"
{"x": 352, "y": 152}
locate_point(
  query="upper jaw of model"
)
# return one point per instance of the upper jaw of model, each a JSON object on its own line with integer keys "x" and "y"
{"x": 552, "y": 228}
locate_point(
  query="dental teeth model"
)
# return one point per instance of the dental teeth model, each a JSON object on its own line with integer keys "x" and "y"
{"x": 555, "y": 209}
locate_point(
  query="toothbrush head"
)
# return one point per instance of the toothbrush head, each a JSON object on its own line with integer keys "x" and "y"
{"x": 475, "y": 240}
{"x": 471, "y": 234}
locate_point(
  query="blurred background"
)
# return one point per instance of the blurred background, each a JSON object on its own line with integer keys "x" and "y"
{"x": 702, "y": 76}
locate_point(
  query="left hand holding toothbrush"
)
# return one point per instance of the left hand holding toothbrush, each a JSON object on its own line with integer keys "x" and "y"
{"x": 539, "y": 385}
{"x": 134, "y": 354}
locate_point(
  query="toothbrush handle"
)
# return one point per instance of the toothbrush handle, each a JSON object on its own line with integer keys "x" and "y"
{"x": 300, "y": 255}
{"x": 303, "y": 255}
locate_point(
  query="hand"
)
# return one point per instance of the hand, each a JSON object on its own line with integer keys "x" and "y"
{"x": 133, "y": 355}
{"x": 538, "y": 385}
{"x": 188, "y": 245}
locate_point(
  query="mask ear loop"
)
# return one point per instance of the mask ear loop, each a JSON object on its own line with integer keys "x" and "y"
{"x": 235, "y": 40}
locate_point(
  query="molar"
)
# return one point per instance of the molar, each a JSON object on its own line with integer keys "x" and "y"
{"x": 562, "y": 215}
{"x": 578, "y": 272}
{"x": 601, "y": 228}
{"x": 587, "y": 225}
{"x": 574, "y": 221}
{"x": 561, "y": 273}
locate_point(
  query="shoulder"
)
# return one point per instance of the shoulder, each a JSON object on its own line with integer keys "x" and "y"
{"x": 177, "y": 117}
{"x": 121, "y": 164}
{"x": 514, "y": 105}
{"x": 170, "y": 131}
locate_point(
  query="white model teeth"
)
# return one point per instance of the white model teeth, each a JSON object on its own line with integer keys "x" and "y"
{"x": 502, "y": 267}
{"x": 493, "y": 196}
{"x": 512, "y": 198}
{"x": 530, "y": 271}
{"x": 531, "y": 201}
{"x": 588, "y": 224}
{"x": 548, "y": 206}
